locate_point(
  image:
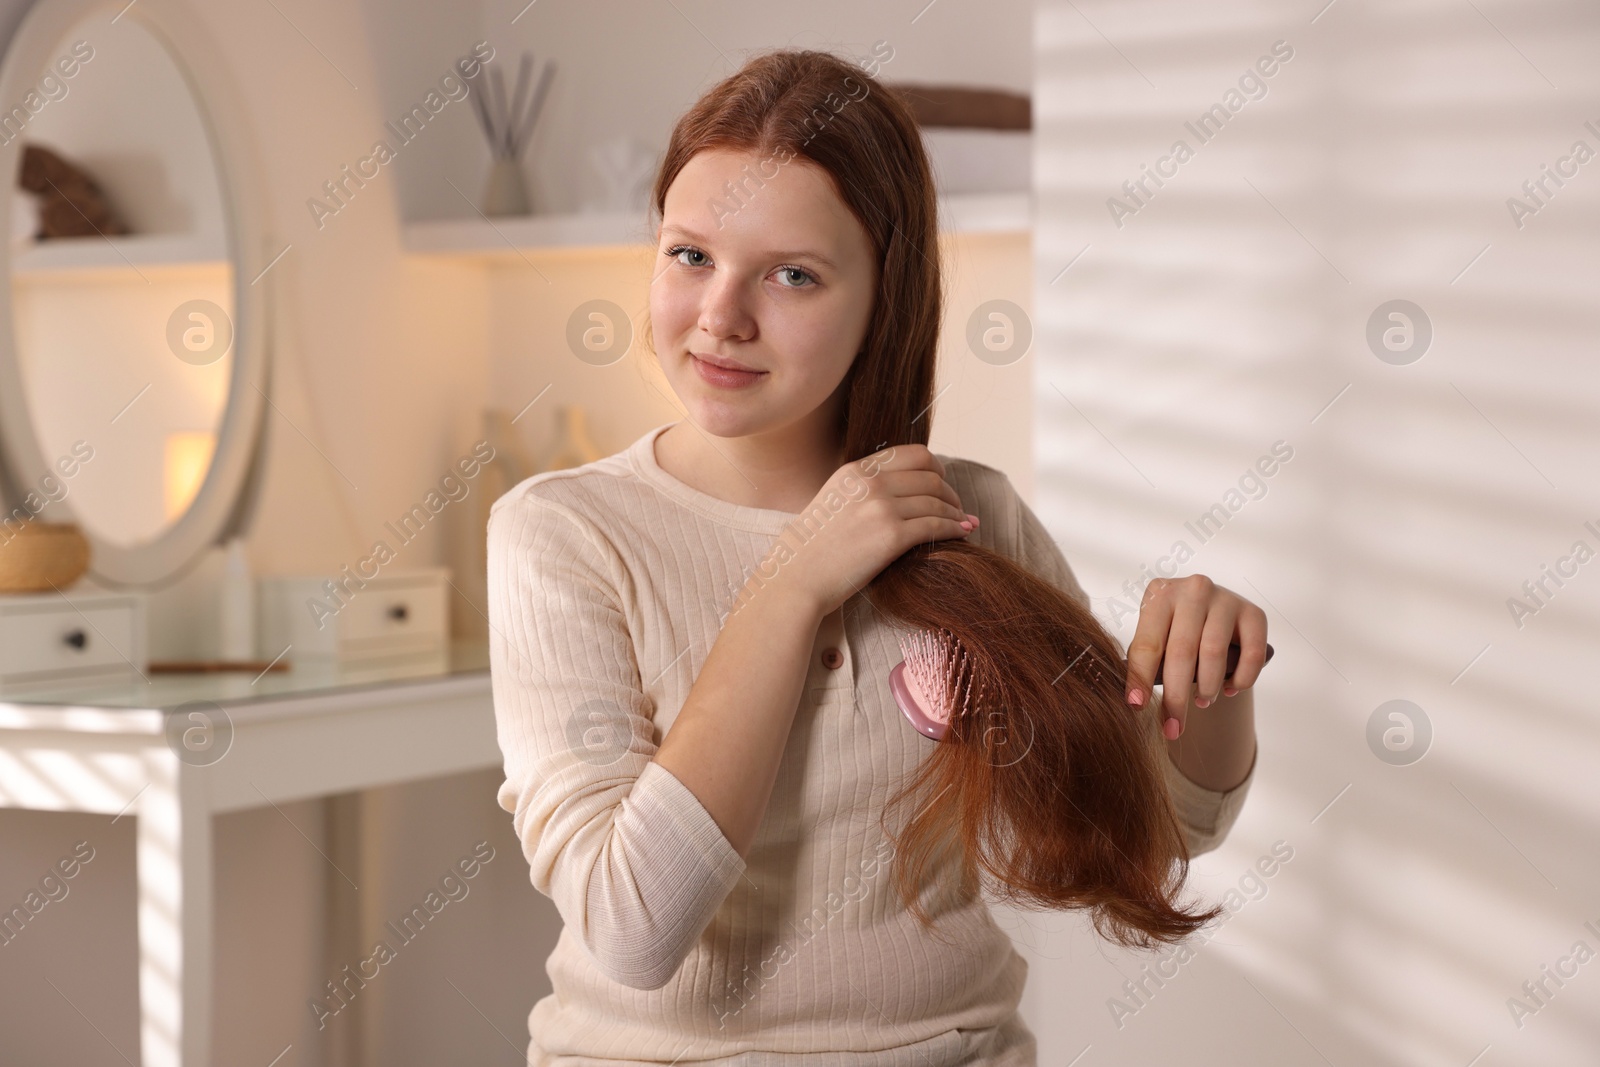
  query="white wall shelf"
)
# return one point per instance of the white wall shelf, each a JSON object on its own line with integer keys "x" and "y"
{"x": 986, "y": 212}
{"x": 75, "y": 255}
{"x": 509, "y": 238}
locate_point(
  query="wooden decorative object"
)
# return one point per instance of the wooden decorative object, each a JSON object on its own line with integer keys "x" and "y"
{"x": 215, "y": 666}
{"x": 71, "y": 204}
{"x": 41, "y": 556}
{"x": 963, "y": 106}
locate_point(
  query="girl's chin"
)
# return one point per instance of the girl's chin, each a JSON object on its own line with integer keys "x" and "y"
{"x": 722, "y": 417}
{"x": 719, "y": 423}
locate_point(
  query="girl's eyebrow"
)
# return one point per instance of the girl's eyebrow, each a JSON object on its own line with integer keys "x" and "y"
{"x": 801, "y": 254}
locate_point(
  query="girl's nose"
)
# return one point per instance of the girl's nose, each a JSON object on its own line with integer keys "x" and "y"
{"x": 723, "y": 312}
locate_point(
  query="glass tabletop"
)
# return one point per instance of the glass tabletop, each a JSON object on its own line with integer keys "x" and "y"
{"x": 169, "y": 690}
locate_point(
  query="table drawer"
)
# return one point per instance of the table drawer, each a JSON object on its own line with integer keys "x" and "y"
{"x": 394, "y": 614}
{"x": 41, "y": 640}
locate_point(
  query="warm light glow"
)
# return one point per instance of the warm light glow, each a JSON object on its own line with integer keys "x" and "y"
{"x": 187, "y": 460}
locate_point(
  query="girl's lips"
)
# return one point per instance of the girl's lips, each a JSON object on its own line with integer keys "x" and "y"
{"x": 722, "y": 377}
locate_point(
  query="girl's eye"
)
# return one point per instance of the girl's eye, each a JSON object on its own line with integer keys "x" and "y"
{"x": 806, "y": 280}
{"x": 796, "y": 277}
{"x": 681, "y": 249}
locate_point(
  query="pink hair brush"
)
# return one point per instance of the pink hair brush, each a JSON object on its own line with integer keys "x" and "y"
{"x": 921, "y": 683}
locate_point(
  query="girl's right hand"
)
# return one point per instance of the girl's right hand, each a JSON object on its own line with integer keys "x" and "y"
{"x": 867, "y": 514}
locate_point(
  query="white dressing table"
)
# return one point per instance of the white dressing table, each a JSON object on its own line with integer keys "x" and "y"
{"x": 314, "y": 730}
{"x": 145, "y": 356}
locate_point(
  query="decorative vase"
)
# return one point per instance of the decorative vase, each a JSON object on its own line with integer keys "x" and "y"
{"x": 505, "y": 193}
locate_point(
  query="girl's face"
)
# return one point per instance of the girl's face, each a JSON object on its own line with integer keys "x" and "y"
{"x": 762, "y": 265}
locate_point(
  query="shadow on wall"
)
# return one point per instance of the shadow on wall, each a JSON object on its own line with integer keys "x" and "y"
{"x": 1335, "y": 260}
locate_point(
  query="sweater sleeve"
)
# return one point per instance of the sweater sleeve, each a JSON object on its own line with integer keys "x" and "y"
{"x": 1206, "y": 814}
{"x": 634, "y": 863}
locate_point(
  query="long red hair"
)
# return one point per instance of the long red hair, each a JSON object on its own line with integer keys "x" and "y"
{"x": 1053, "y": 790}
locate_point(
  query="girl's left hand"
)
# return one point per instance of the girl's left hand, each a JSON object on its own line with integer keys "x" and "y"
{"x": 1193, "y": 620}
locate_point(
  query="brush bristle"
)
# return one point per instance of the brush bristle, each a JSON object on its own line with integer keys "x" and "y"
{"x": 939, "y": 667}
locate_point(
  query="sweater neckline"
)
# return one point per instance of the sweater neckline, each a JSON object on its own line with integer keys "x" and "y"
{"x": 642, "y": 457}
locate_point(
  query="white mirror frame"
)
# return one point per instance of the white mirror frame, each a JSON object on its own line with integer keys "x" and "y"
{"x": 39, "y": 40}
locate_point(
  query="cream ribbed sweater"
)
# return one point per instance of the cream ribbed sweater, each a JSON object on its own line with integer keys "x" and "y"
{"x": 608, "y": 584}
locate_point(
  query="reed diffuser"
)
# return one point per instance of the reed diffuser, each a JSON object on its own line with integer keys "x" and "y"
{"x": 508, "y": 124}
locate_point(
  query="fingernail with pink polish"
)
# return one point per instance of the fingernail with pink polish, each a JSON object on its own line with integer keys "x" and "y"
{"x": 1171, "y": 729}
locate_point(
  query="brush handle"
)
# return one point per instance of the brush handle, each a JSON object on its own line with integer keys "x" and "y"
{"x": 1233, "y": 662}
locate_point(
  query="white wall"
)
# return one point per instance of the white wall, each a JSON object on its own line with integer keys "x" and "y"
{"x": 1229, "y": 312}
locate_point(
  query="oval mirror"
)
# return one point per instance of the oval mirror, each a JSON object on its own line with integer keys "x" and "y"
{"x": 132, "y": 360}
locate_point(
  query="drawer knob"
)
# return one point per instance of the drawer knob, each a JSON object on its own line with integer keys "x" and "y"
{"x": 398, "y": 613}
{"x": 77, "y": 639}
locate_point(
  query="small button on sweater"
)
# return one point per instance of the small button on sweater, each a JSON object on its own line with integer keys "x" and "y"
{"x": 608, "y": 584}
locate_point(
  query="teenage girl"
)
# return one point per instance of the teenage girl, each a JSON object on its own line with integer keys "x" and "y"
{"x": 690, "y": 679}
